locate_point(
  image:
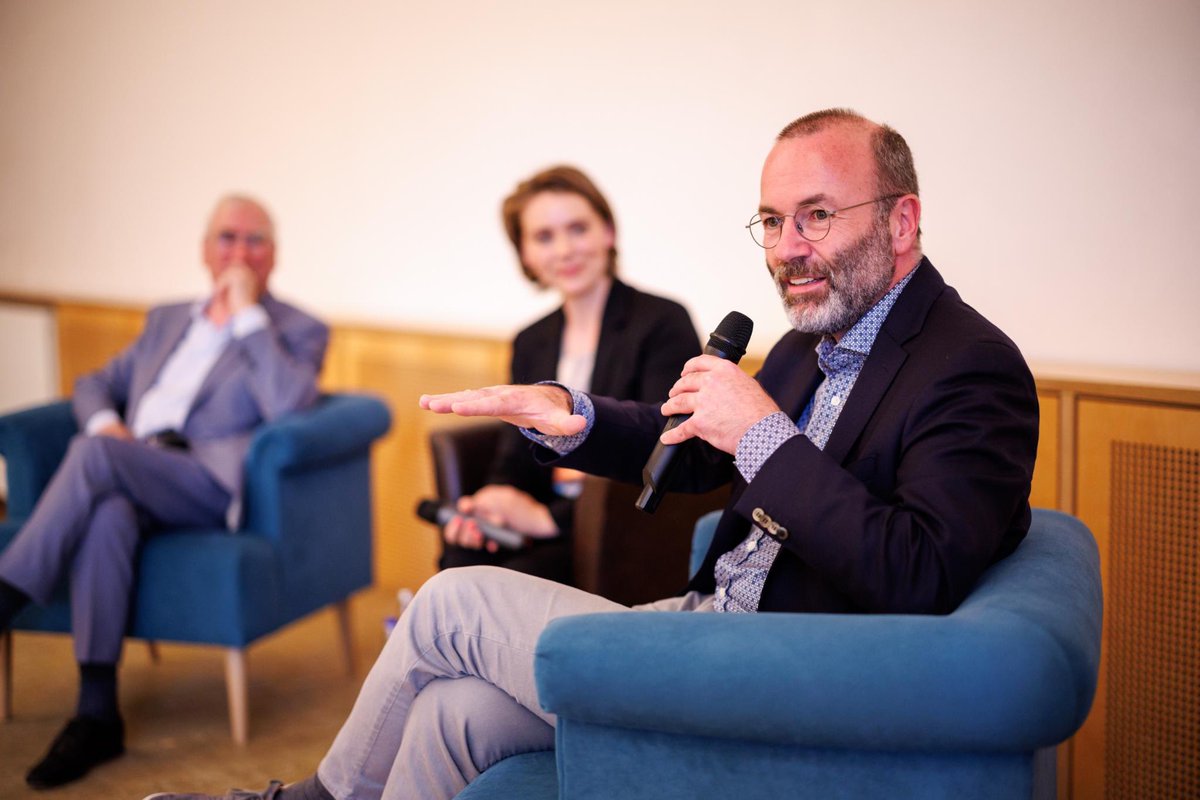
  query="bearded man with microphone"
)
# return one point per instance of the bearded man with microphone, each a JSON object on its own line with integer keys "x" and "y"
{"x": 881, "y": 460}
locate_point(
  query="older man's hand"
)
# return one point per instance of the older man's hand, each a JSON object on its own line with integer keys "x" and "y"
{"x": 237, "y": 287}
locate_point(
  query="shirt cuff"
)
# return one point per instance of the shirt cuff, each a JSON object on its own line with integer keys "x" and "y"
{"x": 101, "y": 419}
{"x": 582, "y": 405}
{"x": 249, "y": 320}
{"x": 761, "y": 441}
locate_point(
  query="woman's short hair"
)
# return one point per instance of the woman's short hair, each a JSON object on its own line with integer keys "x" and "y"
{"x": 561, "y": 178}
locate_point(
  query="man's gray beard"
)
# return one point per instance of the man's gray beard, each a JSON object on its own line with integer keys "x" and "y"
{"x": 857, "y": 278}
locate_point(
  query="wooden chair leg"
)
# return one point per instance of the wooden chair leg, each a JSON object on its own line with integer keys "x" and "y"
{"x": 6, "y": 676}
{"x": 342, "y": 609}
{"x": 235, "y": 687}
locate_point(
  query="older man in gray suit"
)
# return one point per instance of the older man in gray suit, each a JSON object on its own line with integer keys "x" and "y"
{"x": 165, "y": 429}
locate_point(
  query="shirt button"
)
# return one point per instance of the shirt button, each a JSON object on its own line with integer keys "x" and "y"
{"x": 751, "y": 545}
{"x": 835, "y": 401}
{"x": 721, "y": 592}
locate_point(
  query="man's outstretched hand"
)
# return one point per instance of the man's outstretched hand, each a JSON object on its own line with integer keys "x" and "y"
{"x": 544, "y": 408}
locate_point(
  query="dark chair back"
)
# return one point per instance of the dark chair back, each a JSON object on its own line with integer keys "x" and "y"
{"x": 619, "y": 552}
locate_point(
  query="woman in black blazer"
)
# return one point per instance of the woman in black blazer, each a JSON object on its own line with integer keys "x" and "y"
{"x": 606, "y": 337}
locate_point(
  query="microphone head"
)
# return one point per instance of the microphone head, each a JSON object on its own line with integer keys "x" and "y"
{"x": 428, "y": 510}
{"x": 732, "y": 335}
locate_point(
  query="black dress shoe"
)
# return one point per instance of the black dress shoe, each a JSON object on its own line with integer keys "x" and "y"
{"x": 84, "y": 743}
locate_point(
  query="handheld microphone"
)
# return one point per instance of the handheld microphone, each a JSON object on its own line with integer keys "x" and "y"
{"x": 439, "y": 514}
{"x": 729, "y": 342}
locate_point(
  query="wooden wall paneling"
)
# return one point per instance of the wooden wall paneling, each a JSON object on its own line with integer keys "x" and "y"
{"x": 89, "y": 335}
{"x": 1044, "y": 492}
{"x": 400, "y": 367}
{"x": 1139, "y": 492}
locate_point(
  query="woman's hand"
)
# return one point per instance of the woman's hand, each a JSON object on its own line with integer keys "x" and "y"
{"x": 503, "y": 506}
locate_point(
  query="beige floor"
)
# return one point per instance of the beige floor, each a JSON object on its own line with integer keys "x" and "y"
{"x": 177, "y": 727}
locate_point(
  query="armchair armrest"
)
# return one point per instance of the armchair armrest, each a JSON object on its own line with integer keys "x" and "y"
{"x": 33, "y": 443}
{"x": 1012, "y": 669}
{"x": 337, "y": 426}
{"x": 308, "y": 491}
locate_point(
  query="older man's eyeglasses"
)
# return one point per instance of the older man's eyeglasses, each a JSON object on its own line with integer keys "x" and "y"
{"x": 228, "y": 239}
{"x": 811, "y": 221}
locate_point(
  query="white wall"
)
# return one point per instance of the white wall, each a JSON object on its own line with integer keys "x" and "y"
{"x": 28, "y": 357}
{"x": 1056, "y": 144}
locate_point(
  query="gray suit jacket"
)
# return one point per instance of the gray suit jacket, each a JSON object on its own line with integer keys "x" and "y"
{"x": 255, "y": 379}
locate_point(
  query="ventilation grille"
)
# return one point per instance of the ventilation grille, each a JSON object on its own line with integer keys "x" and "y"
{"x": 1152, "y": 744}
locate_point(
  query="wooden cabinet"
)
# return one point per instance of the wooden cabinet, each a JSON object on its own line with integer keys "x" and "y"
{"x": 1130, "y": 468}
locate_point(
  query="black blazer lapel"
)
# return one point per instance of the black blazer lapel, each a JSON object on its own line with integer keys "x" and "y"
{"x": 539, "y": 359}
{"x": 617, "y": 309}
{"x": 888, "y": 355}
{"x": 883, "y": 363}
{"x": 795, "y": 394}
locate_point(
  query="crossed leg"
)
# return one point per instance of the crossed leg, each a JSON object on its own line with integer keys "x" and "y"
{"x": 478, "y": 624}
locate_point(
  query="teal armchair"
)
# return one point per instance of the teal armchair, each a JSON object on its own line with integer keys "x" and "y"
{"x": 678, "y": 705}
{"x": 304, "y": 542}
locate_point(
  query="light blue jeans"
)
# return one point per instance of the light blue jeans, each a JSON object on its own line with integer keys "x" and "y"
{"x": 453, "y": 691}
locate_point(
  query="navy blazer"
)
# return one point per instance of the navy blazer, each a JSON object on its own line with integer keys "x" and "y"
{"x": 924, "y": 481}
{"x": 644, "y": 342}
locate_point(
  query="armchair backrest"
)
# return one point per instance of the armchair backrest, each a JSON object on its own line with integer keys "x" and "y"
{"x": 618, "y": 551}
{"x": 702, "y": 535}
{"x": 33, "y": 443}
{"x": 462, "y": 456}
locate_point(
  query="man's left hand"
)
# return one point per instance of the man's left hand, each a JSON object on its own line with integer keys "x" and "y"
{"x": 724, "y": 403}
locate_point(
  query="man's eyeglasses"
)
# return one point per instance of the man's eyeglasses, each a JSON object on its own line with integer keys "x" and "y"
{"x": 227, "y": 239}
{"x": 811, "y": 221}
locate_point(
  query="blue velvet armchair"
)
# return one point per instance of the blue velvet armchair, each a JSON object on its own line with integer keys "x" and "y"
{"x": 304, "y": 542}
{"x": 676, "y": 705}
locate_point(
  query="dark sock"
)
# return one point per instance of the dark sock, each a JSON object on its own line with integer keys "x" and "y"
{"x": 310, "y": 788}
{"x": 98, "y": 691}
{"x": 12, "y": 600}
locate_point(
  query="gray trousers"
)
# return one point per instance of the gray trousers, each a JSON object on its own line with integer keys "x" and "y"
{"x": 87, "y": 525}
{"x": 453, "y": 690}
